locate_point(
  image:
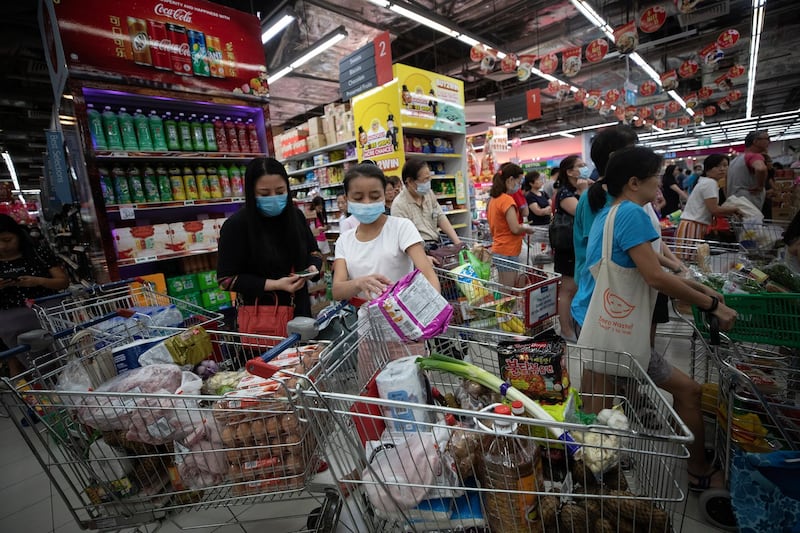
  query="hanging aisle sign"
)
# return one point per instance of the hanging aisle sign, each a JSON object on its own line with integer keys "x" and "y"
{"x": 368, "y": 67}
{"x": 519, "y": 108}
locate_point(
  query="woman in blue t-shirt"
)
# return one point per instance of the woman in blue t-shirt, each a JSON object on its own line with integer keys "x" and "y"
{"x": 632, "y": 181}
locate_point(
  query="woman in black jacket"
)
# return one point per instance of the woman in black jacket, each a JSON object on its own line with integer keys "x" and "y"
{"x": 263, "y": 245}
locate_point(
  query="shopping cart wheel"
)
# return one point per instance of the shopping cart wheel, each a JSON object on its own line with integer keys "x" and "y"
{"x": 324, "y": 519}
{"x": 715, "y": 504}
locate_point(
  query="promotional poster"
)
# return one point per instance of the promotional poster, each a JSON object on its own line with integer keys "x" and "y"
{"x": 378, "y": 130}
{"x": 430, "y": 101}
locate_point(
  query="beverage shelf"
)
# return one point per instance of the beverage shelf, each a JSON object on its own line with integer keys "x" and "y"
{"x": 302, "y": 171}
{"x": 324, "y": 149}
{"x": 445, "y": 196}
{"x": 432, "y": 156}
{"x": 162, "y": 257}
{"x": 174, "y": 205}
{"x": 174, "y": 156}
{"x": 305, "y": 185}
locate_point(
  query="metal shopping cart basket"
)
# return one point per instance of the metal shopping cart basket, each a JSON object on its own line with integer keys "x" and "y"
{"x": 760, "y": 238}
{"x": 416, "y": 466}
{"x": 123, "y": 456}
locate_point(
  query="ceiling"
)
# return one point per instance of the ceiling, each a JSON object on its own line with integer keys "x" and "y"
{"x": 513, "y": 26}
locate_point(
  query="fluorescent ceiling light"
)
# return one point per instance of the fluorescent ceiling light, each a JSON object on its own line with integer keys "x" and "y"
{"x": 316, "y": 49}
{"x": 425, "y": 21}
{"x": 645, "y": 66}
{"x": 466, "y": 39}
{"x": 755, "y": 44}
{"x": 379, "y": 3}
{"x": 283, "y": 19}
{"x": 565, "y": 134}
{"x": 592, "y": 16}
{"x": 278, "y": 75}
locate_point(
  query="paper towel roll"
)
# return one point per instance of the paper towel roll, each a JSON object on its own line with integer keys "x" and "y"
{"x": 402, "y": 380}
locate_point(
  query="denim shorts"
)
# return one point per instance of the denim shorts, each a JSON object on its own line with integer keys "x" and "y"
{"x": 507, "y": 262}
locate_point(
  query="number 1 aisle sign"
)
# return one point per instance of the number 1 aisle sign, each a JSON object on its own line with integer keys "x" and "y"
{"x": 368, "y": 67}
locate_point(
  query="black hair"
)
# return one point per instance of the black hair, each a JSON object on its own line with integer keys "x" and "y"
{"x": 669, "y": 171}
{"x": 508, "y": 170}
{"x": 394, "y": 180}
{"x": 605, "y": 143}
{"x": 411, "y": 169}
{"x": 322, "y": 216}
{"x": 566, "y": 164}
{"x": 713, "y": 161}
{"x": 280, "y": 243}
{"x": 750, "y": 138}
{"x": 365, "y": 170}
{"x": 638, "y": 161}
{"x": 530, "y": 177}
{"x": 26, "y": 245}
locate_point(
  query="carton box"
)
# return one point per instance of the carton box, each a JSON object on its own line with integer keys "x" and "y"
{"x": 315, "y": 142}
{"x": 194, "y": 298}
{"x": 329, "y": 109}
{"x": 180, "y": 285}
{"x": 207, "y": 280}
{"x": 211, "y": 232}
{"x": 142, "y": 241}
{"x": 783, "y": 213}
{"x": 343, "y": 136}
{"x": 315, "y": 126}
{"x": 191, "y": 235}
{"x": 214, "y": 300}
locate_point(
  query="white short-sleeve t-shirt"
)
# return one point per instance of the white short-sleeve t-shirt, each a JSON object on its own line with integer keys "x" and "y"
{"x": 696, "y": 209}
{"x": 385, "y": 254}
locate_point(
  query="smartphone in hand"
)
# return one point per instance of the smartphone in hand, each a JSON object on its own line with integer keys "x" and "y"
{"x": 307, "y": 273}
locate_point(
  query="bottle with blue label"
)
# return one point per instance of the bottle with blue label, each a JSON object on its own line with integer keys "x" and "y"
{"x": 157, "y": 132}
{"x": 128, "y": 131}
{"x": 111, "y": 127}
{"x": 142, "y": 125}
{"x": 96, "y": 129}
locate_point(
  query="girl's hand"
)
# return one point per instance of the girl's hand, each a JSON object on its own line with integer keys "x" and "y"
{"x": 726, "y": 316}
{"x": 291, "y": 283}
{"x": 372, "y": 285}
{"x": 29, "y": 281}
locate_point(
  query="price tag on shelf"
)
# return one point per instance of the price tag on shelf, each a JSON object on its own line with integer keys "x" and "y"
{"x": 127, "y": 212}
{"x": 188, "y": 202}
{"x": 148, "y": 259}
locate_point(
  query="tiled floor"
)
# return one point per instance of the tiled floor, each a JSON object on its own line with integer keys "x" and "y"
{"x": 30, "y": 504}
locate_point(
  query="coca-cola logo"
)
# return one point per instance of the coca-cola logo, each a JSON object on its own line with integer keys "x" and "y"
{"x": 183, "y": 15}
{"x": 173, "y": 48}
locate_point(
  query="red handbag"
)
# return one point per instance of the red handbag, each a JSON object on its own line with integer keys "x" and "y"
{"x": 268, "y": 320}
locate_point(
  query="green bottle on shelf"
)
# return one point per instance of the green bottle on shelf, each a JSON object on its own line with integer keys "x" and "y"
{"x": 157, "y": 132}
{"x": 150, "y": 182}
{"x": 164, "y": 184}
{"x": 111, "y": 126}
{"x": 185, "y": 133}
{"x": 209, "y": 134}
{"x": 171, "y": 132}
{"x": 107, "y": 186}
{"x": 128, "y": 131}
{"x": 121, "y": 189}
{"x": 135, "y": 186}
{"x": 198, "y": 137}
{"x": 96, "y": 129}
{"x": 142, "y": 125}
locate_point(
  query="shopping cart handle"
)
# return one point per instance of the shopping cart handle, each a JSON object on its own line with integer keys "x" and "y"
{"x": 16, "y": 350}
{"x": 92, "y": 289}
{"x": 713, "y": 329}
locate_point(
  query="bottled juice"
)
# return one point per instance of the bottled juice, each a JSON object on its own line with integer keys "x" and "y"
{"x": 150, "y": 182}
{"x": 157, "y": 132}
{"x": 203, "y": 187}
{"x": 252, "y": 136}
{"x": 230, "y": 133}
{"x": 237, "y": 184}
{"x": 121, "y": 189}
{"x": 241, "y": 136}
{"x": 111, "y": 126}
{"x": 171, "y": 132}
{"x": 142, "y": 126}
{"x": 225, "y": 181}
{"x": 213, "y": 182}
{"x": 185, "y": 133}
{"x": 164, "y": 184}
{"x": 96, "y": 128}
{"x": 128, "y": 130}
{"x": 176, "y": 184}
{"x": 198, "y": 138}
{"x": 135, "y": 185}
{"x": 219, "y": 135}
{"x": 209, "y": 135}
{"x": 190, "y": 183}
{"x": 107, "y": 186}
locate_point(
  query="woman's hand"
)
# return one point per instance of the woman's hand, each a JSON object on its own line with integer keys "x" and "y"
{"x": 291, "y": 284}
{"x": 29, "y": 281}
{"x": 726, "y": 316}
{"x": 7, "y": 283}
{"x": 372, "y": 285}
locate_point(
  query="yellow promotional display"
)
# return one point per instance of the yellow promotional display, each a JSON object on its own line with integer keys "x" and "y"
{"x": 430, "y": 101}
{"x": 378, "y": 130}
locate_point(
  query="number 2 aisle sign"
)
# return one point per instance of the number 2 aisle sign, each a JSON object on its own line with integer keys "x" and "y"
{"x": 369, "y": 66}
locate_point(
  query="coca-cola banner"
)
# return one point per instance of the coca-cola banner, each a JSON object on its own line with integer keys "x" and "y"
{"x": 180, "y": 45}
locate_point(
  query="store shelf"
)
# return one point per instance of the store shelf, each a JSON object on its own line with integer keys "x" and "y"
{"x": 303, "y": 171}
{"x": 431, "y": 157}
{"x": 445, "y": 196}
{"x": 306, "y": 185}
{"x": 432, "y": 132}
{"x": 174, "y": 205}
{"x": 456, "y": 211}
{"x": 174, "y": 156}
{"x": 163, "y": 257}
{"x": 312, "y": 153}
{"x": 329, "y": 185}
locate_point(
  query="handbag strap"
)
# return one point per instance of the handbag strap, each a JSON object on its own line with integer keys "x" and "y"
{"x": 608, "y": 232}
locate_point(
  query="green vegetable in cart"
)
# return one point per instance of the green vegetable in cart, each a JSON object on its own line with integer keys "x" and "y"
{"x": 782, "y": 275}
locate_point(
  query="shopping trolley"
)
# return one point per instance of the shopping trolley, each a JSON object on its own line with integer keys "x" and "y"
{"x": 121, "y": 457}
{"x": 761, "y": 239}
{"x": 401, "y": 464}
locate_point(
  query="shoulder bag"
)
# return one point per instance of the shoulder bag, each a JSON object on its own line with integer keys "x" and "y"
{"x": 561, "y": 231}
{"x": 268, "y": 320}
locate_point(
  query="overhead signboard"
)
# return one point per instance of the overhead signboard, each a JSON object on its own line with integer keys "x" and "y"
{"x": 368, "y": 67}
{"x": 519, "y": 108}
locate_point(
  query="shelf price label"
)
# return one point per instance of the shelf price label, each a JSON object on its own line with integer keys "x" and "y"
{"x": 147, "y": 259}
{"x": 188, "y": 202}
{"x": 127, "y": 212}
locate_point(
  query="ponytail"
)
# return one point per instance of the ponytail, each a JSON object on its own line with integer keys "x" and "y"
{"x": 597, "y": 196}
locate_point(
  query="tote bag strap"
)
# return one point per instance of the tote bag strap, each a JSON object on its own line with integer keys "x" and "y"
{"x": 608, "y": 233}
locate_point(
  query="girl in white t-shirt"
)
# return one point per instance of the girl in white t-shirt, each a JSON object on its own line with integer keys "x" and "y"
{"x": 703, "y": 205}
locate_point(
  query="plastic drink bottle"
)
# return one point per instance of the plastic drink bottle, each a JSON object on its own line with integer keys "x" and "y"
{"x": 185, "y": 133}
{"x": 172, "y": 134}
{"x": 209, "y": 134}
{"x": 135, "y": 185}
{"x": 107, "y": 186}
{"x": 176, "y": 184}
{"x": 252, "y": 135}
{"x": 241, "y": 136}
{"x": 230, "y": 133}
{"x": 189, "y": 183}
{"x": 237, "y": 185}
{"x": 203, "y": 187}
{"x": 150, "y": 183}
{"x": 225, "y": 181}
{"x": 111, "y": 126}
{"x": 96, "y": 129}
{"x": 164, "y": 185}
{"x": 142, "y": 126}
{"x": 128, "y": 130}
{"x": 157, "y": 132}
{"x": 198, "y": 138}
{"x": 121, "y": 189}
{"x": 215, "y": 188}
{"x": 219, "y": 135}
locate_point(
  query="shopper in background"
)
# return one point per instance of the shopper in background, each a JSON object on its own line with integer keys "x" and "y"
{"x": 539, "y": 209}
{"x": 519, "y": 196}
{"x": 264, "y": 244}
{"x": 683, "y": 177}
{"x": 702, "y": 206}
{"x": 572, "y": 181}
{"x": 791, "y": 237}
{"x": 748, "y": 171}
{"x": 320, "y": 224}
{"x": 417, "y": 203}
{"x": 673, "y": 194}
{"x": 691, "y": 181}
{"x": 549, "y": 182}
{"x": 25, "y": 273}
{"x": 632, "y": 180}
{"x": 393, "y": 188}
{"x": 346, "y": 220}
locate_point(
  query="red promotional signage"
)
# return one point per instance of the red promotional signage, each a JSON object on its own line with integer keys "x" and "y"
{"x": 626, "y": 38}
{"x": 533, "y": 104}
{"x": 727, "y": 39}
{"x": 691, "y": 100}
{"x": 705, "y": 92}
{"x": 660, "y": 111}
{"x": 571, "y": 62}
{"x": 734, "y": 95}
{"x": 673, "y": 107}
{"x": 197, "y": 46}
{"x": 652, "y": 19}
{"x": 580, "y": 95}
{"x": 596, "y": 50}
{"x": 661, "y": 124}
{"x": 549, "y": 63}
{"x": 612, "y": 96}
{"x": 509, "y": 63}
{"x": 648, "y": 88}
{"x": 684, "y": 121}
{"x": 688, "y": 68}
{"x": 669, "y": 80}
{"x": 645, "y": 112}
{"x": 736, "y": 71}
{"x": 593, "y": 99}
{"x": 710, "y": 111}
{"x": 710, "y": 54}
{"x": 723, "y": 83}
{"x": 672, "y": 123}
{"x": 619, "y": 112}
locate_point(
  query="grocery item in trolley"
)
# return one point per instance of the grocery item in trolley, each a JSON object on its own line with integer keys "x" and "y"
{"x": 402, "y": 380}
{"x": 189, "y": 347}
{"x": 537, "y": 367}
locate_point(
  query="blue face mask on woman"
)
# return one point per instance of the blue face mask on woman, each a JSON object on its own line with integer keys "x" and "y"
{"x": 586, "y": 173}
{"x": 366, "y": 213}
{"x": 423, "y": 187}
{"x": 272, "y": 206}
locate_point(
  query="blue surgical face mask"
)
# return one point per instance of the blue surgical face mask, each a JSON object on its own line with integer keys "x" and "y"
{"x": 366, "y": 213}
{"x": 272, "y": 206}
{"x": 515, "y": 188}
{"x": 423, "y": 187}
{"x": 586, "y": 172}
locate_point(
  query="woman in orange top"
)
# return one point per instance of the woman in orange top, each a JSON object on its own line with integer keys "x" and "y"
{"x": 503, "y": 217}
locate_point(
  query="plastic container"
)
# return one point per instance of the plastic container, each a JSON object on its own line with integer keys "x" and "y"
{"x": 171, "y": 132}
{"x": 135, "y": 185}
{"x": 203, "y": 186}
{"x": 213, "y": 182}
{"x": 164, "y": 184}
{"x": 142, "y": 125}
{"x": 209, "y": 135}
{"x": 107, "y": 186}
{"x": 198, "y": 137}
{"x": 230, "y": 133}
{"x": 111, "y": 127}
{"x": 190, "y": 184}
{"x": 150, "y": 183}
{"x": 121, "y": 189}
{"x": 185, "y": 133}
{"x": 96, "y": 129}
{"x": 157, "y": 132}
{"x": 252, "y": 137}
{"x": 128, "y": 130}
{"x": 241, "y": 136}
{"x": 237, "y": 184}
{"x": 219, "y": 135}
{"x": 224, "y": 181}
{"x": 176, "y": 184}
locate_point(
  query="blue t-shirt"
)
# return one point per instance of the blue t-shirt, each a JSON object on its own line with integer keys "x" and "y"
{"x": 632, "y": 227}
{"x": 584, "y": 217}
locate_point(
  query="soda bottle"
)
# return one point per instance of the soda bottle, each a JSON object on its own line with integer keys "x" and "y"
{"x": 171, "y": 131}
{"x": 96, "y": 128}
{"x": 189, "y": 183}
{"x": 230, "y": 133}
{"x": 219, "y": 135}
{"x": 198, "y": 138}
{"x": 176, "y": 184}
{"x": 213, "y": 182}
{"x": 106, "y": 184}
{"x": 135, "y": 185}
{"x": 121, "y": 189}
{"x": 184, "y": 133}
{"x": 111, "y": 126}
{"x": 157, "y": 132}
{"x": 252, "y": 135}
{"x": 237, "y": 185}
{"x": 128, "y": 131}
{"x": 209, "y": 135}
{"x": 150, "y": 183}
{"x": 225, "y": 181}
{"x": 164, "y": 184}
{"x": 203, "y": 187}
{"x": 241, "y": 136}
{"x": 142, "y": 127}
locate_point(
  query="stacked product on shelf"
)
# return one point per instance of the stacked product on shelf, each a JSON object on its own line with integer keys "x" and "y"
{"x": 786, "y": 201}
{"x": 336, "y": 127}
{"x": 154, "y": 242}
